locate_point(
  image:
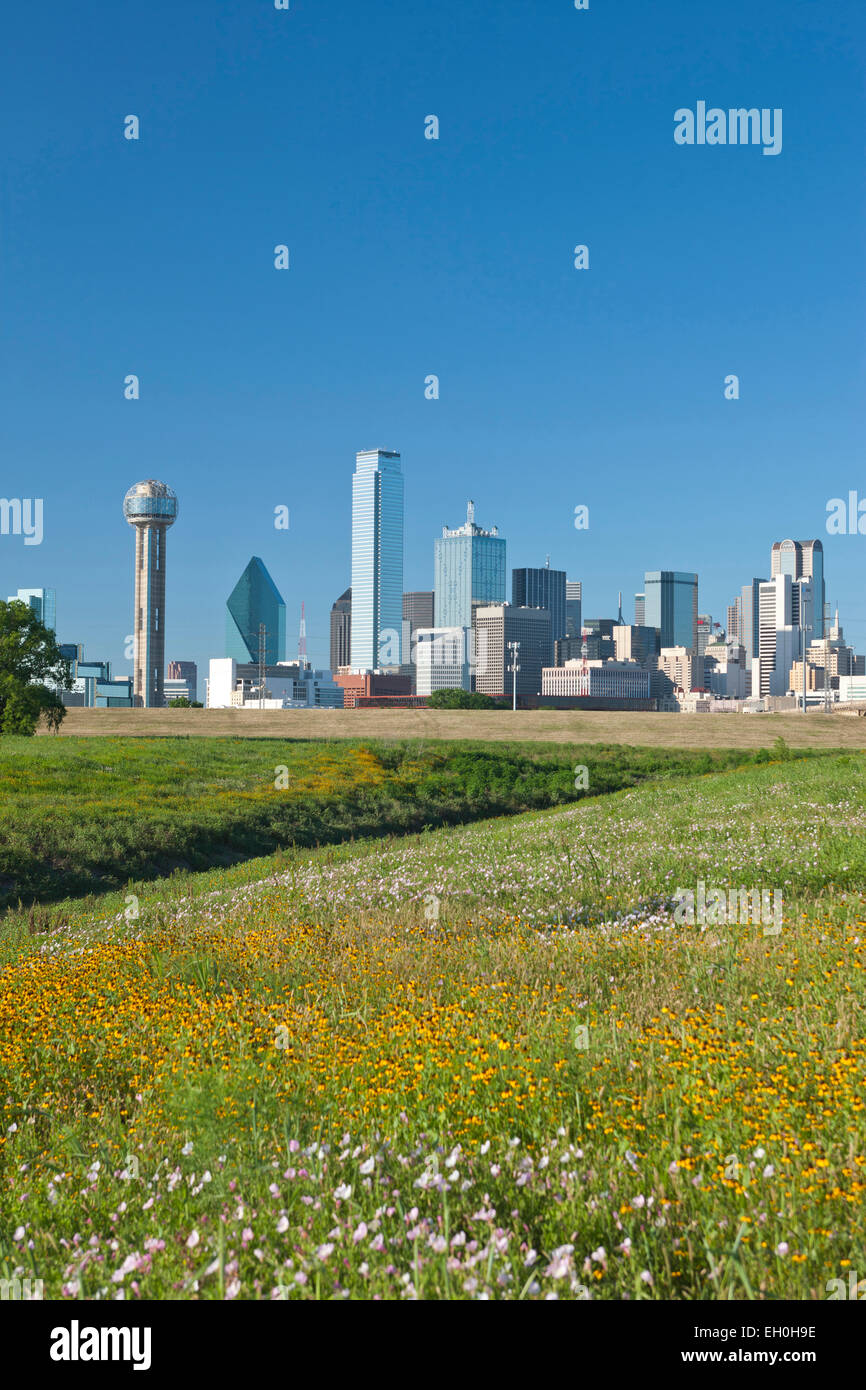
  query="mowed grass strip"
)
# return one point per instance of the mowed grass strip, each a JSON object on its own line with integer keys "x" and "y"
{"x": 390, "y": 1071}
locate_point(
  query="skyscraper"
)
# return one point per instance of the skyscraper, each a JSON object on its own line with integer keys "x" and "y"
{"x": 377, "y": 560}
{"x": 542, "y": 588}
{"x": 150, "y": 507}
{"x": 749, "y": 616}
{"x": 341, "y": 631}
{"x": 186, "y": 671}
{"x": 42, "y": 601}
{"x": 253, "y": 603}
{"x": 498, "y": 625}
{"x": 672, "y": 607}
{"x": 640, "y": 610}
{"x": 803, "y": 560}
{"x": 705, "y": 632}
{"x": 573, "y": 607}
{"x": 469, "y": 566}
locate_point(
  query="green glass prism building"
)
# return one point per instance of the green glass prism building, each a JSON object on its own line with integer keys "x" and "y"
{"x": 253, "y": 603}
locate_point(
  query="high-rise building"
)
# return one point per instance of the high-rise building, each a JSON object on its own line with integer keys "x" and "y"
{"x": 573, "y": 607}
{"x": 542, "y": 588}
{"x": 597, "y": 639}
{"x": 734, "y": 629}
{"x": 749, "y": 618}
{"x": 683, "y": 667}
{"x": 185, "y": 671}
{"x": 803, "y": 560}
{"x": 640, "y": 610}
{"x": 469, "y": 565}
{"x": 705, "y": 632}
{"x": 377, "y": 560}
{"x": 783, "y": 604}
{"x": 672, "y": 607}
{"x": 442, "y": 659}
{"x": 341, "y": 631}
{"x": 495, "y": 626}
{"x": 42, "y": 601}
{"x": 253, "y": 604}
{"x": 150, "y": 507}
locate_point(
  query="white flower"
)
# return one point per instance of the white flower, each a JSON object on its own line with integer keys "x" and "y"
{"x": 599, "y": 1255}
{"x": 782, "y": 1249}
{"x": 282, "y": 1225}
{"x": 359, "y": 1233}
{"x": 367, "y": 1166}
{"x": 193, "y": 1240}
{"x": 531, "y": 1257}
{"x": 343, "y": 1192}
{"x": 324, "y": 1251}
{"x": 19, "y": 1233}
{"x": 758, "y": 1153}
{"x": 485, "y": 1147}
{"x": 186, "y": 1150}
{"x": 769, "y": 1171}
{"x": 646, "y": 1277}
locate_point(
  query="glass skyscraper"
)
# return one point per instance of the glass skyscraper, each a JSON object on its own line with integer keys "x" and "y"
{"x": 542, "y": 588}
{"x": 377, "y": 560}
{"x": 671, "y": 605}
{"x": 469, "y": 571}
{"x": 43, "y": 602}
{"x": 803, "y": 560}
{"x": 255, "y": 601}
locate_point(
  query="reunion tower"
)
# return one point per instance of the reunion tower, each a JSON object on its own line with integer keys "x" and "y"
{"x": 151, "y": 508}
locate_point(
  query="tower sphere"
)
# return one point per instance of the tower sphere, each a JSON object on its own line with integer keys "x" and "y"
{"x": 150, "y": 502}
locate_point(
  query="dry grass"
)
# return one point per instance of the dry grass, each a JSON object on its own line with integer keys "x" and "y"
{"x": 546, "y": 726}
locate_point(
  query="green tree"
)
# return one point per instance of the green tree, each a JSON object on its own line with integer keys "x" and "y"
{"x": 179, "y": 702}
{"x": 29, "y": 656}
{"x": 460, "y": 699}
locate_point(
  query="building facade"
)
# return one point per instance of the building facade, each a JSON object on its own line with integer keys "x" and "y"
{"x": 341, "y": 631}
{"x": 802, "y": 560}
{"x": 442, "y": 659}
{"x": 288, "y": 685}
{"x": 377, "y": 560}
{"x": 42, "y": 601}
{"x": 671, "y": 605}
{"x": 495, "y": 627}
{"x": 635, "y": 643}
{"x": 185, "y": 671}
{"x": 614, "y": 680}
{"x": 469, "y": 566}
{"x": 683, "y": 668}
{"x": 542, "y": 588}
{"x": 255, "y": 603}
{"x": 573, "y": 607}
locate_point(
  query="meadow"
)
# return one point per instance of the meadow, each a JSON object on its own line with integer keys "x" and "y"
{"x": 486, "y": 1061}
{"x": 89, "y": 815}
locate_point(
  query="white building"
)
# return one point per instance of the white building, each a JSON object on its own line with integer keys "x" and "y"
{"x": 442, "y": 659}
{"x": 288, "y": 685}
{"x": 725, "y": 670}
{"x": 779, "y": 634}
{"x": 614, "y": 680}
{"x": 851, "y": 688}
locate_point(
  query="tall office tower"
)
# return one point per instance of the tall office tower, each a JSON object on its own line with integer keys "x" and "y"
{"x": 749, "y": 614}
{"x": 640, "y": 610}
{"x": 573, "y": 607}
{"x": 783, "y": 601}
{"x": 469, "y": 567}
{"x": 803, "y": 560}
{"x": 150, "y": 507}
{"x": 184, "y": 671}
{"x": 42, "y": 601}
{"x": 705, "y": 631}
{"x": 417, "y": 616}
{"x": 542, "y": 588}
{"x": 496, "y": 626}
{"x": 734, "y": 630}
{"x": 341, "y": 630}
{"x": 377, "y": 560}
{"x": 253, "y": 603}
{"x": 672, "y": 607}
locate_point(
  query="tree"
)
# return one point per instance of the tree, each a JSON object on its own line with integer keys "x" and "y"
{"x": 460, "y": 699}
{"x": 29, "y": 656}
{"x": 179, "y": 702}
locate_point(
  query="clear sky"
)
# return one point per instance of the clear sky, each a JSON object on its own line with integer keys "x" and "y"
{"x": 409, "y": 256}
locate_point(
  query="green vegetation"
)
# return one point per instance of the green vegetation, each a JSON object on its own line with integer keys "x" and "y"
{"x": 393, "y": 1069}
{"x": 462, "y": 699}
{"x": 88, "y": 816}
{"x": 29, "y": 655}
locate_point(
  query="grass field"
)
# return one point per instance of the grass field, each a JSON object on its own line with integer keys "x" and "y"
{"x": 88, "y": 815}
{"x": 482, "y": 1061}
{"x": 554, "y": 726}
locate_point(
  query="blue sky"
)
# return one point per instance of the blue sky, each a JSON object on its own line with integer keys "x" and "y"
{"x": 558, "y": 387}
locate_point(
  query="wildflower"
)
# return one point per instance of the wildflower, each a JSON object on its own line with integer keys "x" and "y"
{"x": 782, "y": 1249}
{"x": 359, "y": 1233}
{"x": 646, "y": 1277}
{"x": 282, "y": 1225}
{"x": 192, "y": 1240}
{"x": 367, "y": 1166}
{"x": 324, "y": 1252}
{"x": 343, "y": 1192}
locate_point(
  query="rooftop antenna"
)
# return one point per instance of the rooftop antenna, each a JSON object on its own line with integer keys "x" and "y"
{"x": 620, "y": 609}
{"x": 547, "y": 563}
{"x": 302, "y": 641}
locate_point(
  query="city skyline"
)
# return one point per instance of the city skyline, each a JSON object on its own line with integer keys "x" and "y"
{"x": 557, "y": 387}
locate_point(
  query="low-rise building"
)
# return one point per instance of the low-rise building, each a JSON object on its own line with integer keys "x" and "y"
{"x": 287, "y": 685}
{"x": 619, "y": 680}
